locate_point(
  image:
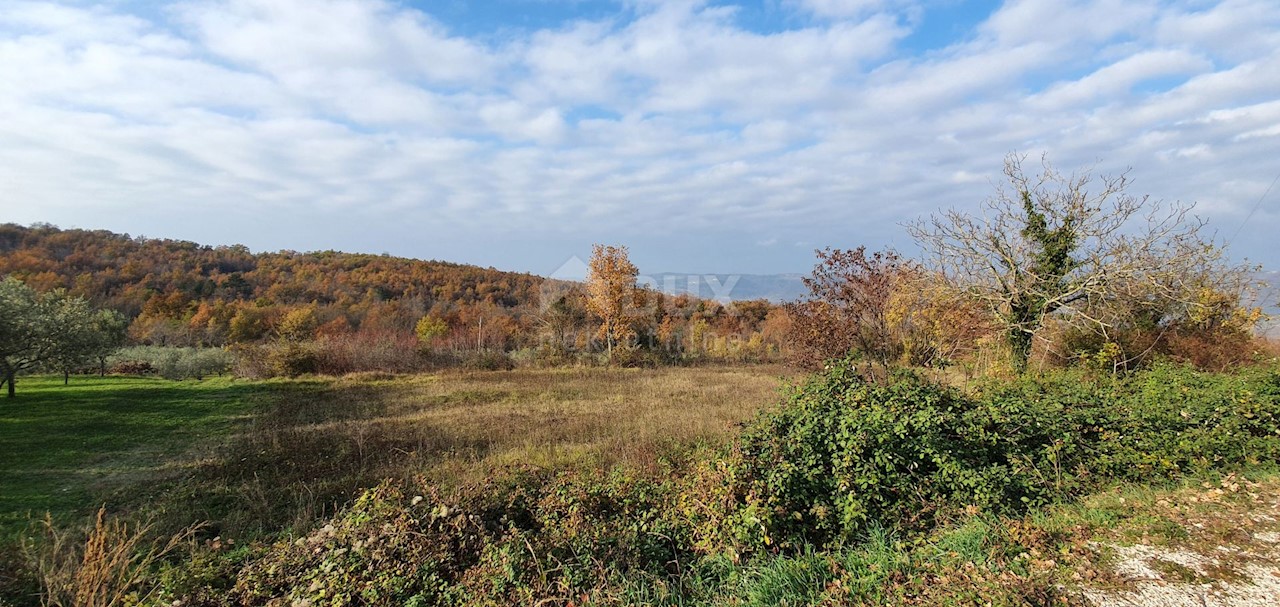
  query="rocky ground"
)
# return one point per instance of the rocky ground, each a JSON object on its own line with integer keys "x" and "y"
{"x": 1214, "y": 546}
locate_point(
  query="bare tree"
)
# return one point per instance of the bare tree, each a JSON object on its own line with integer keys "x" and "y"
{"x": 1072, "y": 246}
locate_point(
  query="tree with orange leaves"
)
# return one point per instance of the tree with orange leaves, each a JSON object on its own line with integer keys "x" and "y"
{"x": 611, "y": 292}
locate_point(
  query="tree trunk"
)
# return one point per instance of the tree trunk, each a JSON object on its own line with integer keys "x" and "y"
{"x": 8, "y": 377}
{"x": 608, "y": 344}
{"x": 1020, "y": 344}
{"x": 66, "y": 377}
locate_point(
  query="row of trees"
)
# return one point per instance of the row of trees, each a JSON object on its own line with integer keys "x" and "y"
{"x": 53, "y": 331}
{"x": 1071, "y": 266}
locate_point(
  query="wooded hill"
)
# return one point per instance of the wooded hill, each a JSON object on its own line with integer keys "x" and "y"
{"x": 153, "y": 280}
{"x": 182, "y": 293}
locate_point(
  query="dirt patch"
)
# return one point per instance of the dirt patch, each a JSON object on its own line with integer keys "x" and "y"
{"x": 1229, "y": 558}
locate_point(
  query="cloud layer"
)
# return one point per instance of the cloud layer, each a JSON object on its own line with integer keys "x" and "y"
{"x": 684, "y": 129}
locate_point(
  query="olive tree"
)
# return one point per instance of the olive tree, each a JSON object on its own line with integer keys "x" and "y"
{"x": 1073, "y": 247}
{"x": 50, "y": 330}
{"x": 89, "y": 337}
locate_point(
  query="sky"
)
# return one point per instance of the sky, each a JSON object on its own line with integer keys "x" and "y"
{"x": 730, "y": 137}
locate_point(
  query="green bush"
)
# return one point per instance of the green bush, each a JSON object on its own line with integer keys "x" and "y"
{"x": 291, "y": 359}
{"x": 843, "y": 454}
{"x": 173, "y": 362}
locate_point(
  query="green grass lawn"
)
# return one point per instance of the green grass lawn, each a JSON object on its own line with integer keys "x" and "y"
{"x": 63, "y": 447}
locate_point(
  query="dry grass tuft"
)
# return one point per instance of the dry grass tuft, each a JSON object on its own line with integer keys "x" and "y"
{"x": 103, "y": 567}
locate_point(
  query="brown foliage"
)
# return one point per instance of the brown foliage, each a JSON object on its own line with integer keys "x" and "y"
{"x": 182, "y": 293}
{"x": 611, "y": 293}
{"x": 849, "y": 296}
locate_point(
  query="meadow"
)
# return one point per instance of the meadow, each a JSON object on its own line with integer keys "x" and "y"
{"x": 715, "y": 486}
{"x": 261, "y": 456}
{"x": 64, "y": 449}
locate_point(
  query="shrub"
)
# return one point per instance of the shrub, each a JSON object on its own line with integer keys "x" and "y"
{"x": 106, "y": 565}
{"x": 525, "y": 537}
{"x": 172, "y": 362}
{"x": 392, "y": 352}
{"x": 843, "y": 454}
{"x": 488, "y": 360}
{"x": 291, "y": 359}
{"x": 334, "y": 355}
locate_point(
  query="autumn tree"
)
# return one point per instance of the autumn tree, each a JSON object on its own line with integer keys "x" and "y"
{"x": 299, "y": 324}
{"x": 430, "y": 328}
{"x": 1068, "y": 247}
{"x": 611, "y": 292}
{"x": 935, "y": 323}
{"x": 247, "y": 324}
{"x": 1210, "y": 324}
{"x": 849, "y": 295}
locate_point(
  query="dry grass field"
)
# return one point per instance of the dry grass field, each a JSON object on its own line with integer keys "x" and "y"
{"x": 262, "y": 456}
{"x": 455, "y": 427}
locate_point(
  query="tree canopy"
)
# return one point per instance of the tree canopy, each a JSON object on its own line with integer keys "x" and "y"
{"x": 1076, "y": 248}
{"x": 611, "y": 292}
{"x": 54, "y": 331}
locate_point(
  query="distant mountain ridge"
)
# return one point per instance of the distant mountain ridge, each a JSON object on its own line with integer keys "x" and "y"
{"x": 776, "y": 288}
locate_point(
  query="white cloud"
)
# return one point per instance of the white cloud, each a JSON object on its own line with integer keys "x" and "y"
{"x": 283, "y": 37}
{"x": 1113, "y": 83}
{"x": 336, "y": 120}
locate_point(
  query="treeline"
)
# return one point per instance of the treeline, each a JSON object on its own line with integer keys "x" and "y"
{"x": 182, "y": 293}
{"x": 1056, "y": 270}
{"x": 332, "y": 312}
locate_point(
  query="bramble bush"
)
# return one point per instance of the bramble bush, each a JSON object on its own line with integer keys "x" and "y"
{"x": 525, "y": 536}
{"x": 843, "y": 455}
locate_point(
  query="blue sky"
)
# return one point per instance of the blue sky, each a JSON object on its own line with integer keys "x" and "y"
{"x": 707, "y": 136}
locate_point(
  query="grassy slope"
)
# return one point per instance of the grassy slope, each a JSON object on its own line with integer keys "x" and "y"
{"x": 321, "y": 442}
{"x": 60, "y": 445}
{"x": 195, "y": 446}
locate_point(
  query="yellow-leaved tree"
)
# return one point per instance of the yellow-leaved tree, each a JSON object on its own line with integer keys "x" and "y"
{"x": 611, "y": 293}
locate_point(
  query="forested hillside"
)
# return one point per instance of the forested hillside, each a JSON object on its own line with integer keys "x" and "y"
{"x": 179, "y": 293}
